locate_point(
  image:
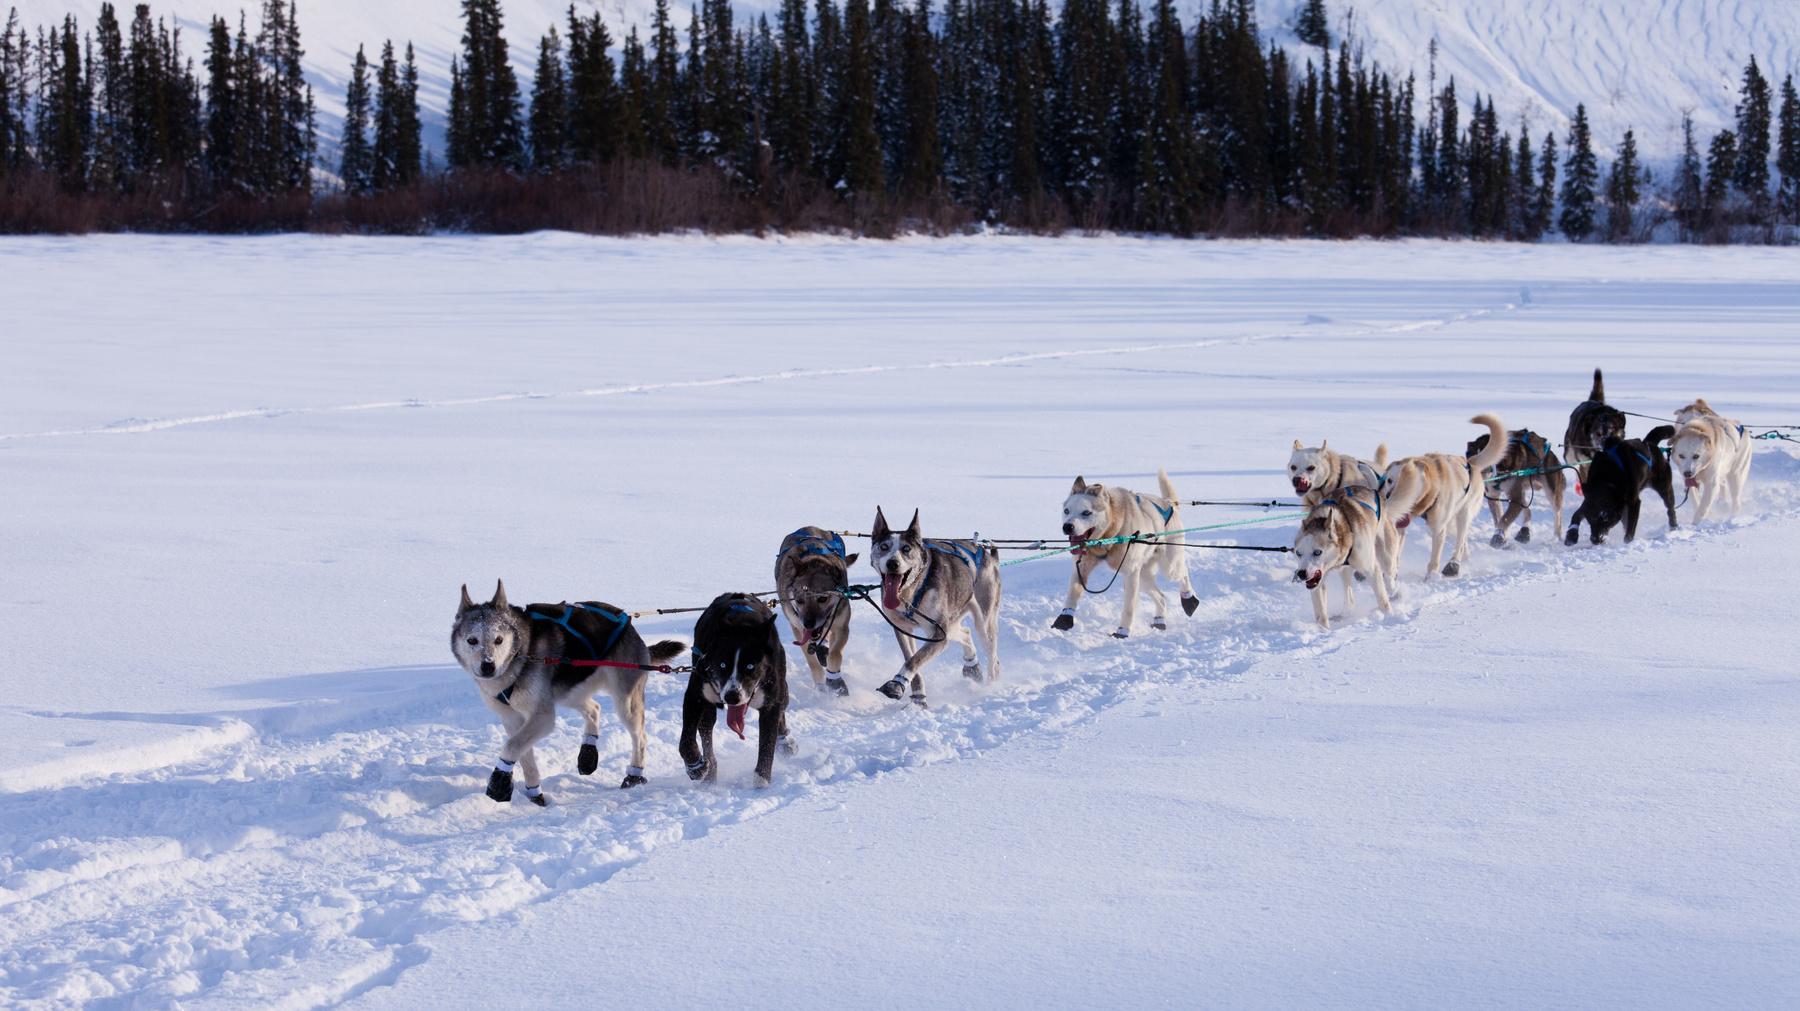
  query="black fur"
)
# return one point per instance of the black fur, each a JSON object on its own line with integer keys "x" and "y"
{"x": 736, "y": 632}
{"x": 1590, "y": 425}
{"x": 1616, "y": 481}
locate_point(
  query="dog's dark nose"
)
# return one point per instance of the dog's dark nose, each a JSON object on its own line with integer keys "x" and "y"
{"x": 734, "y": 697}
{"x": 487, "y": 668}
{"x": 1068, "y": 528}
{"x": 893, "y": 565}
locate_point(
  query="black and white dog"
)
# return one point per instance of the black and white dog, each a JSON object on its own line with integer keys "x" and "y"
{"x": 739, "y": 665}
{"x": 1617, "y": 477}
{"x": 521, "y": 660}
{"x": 928, "y": 586}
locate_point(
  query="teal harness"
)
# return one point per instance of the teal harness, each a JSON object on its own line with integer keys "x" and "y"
{"x": 620, "y": 623}
{"x": 1166, "y": 513}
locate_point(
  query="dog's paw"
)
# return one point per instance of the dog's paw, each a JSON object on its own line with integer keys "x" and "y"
{"x": 1361, "y": 576}
{"x": 696, "y": 770}
{"x": 1159, "y": 623}
{"x": 1122, "y": 633}
{"x": 587, "y": 759}
{"x": 972, "y": 671}
{"x": 1063, "y": 622}
{"x": 1190, "y": 604}
{"x": 1452, "y": 569}
{"x": 918, "y": 699}
{"x": 1524, "y": 535}
{"x": 536, "y": 796}
{"x": 762, "y": 781}
{"x": 836, "y": 686}
{"x": 632, "y": 780}
{"x": 1498, "y": 541}
{"x": 499, "y": 788}
{"x": 786, "y": 745}
{"x": 1572, "y": 537}
{"x": 894, "y": 689}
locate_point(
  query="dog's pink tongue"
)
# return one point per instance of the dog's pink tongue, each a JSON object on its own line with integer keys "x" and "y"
{"x": 890, "y": 591}
{"x": 1692, "y": 483}
{"x": 805, "y": 635}
{"x": 1312, "y": 581}
{"x": 734, "y": 718}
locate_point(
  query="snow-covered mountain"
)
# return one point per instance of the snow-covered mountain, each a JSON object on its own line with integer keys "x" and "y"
{"x": 1635, "y": 63}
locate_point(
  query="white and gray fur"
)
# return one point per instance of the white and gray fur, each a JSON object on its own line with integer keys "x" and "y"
{"x": 1096, "y": 512}
{"x": 929, "y": 585}
{"x": 503, "y": 651}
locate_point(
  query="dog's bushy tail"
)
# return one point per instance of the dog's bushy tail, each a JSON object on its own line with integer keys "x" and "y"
{"x": 1659, "y": 435}
{"x": 1381, "y": 457}
{"x": 667, "y": 650}
{"x": 1598, "y": 393}
{"x": 1404, "y": 489}
{"x": 1497, "y": 444}
{"x": 1166, "y": 486}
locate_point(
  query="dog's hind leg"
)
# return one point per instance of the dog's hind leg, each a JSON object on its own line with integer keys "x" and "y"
{"x": 1175, "y": 567}
{"x": 1152, "y": 588}
{"x": 960, "y": 633}
{"x": 1438, "y": 536}
{"x": 987, "y": 622}
{"x": 588, "y": 758}
{"x": 628, "y": 702}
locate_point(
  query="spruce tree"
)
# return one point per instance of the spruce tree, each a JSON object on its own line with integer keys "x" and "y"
{"x": 859, "y": 148}
{"x": 112, "y": 169}
{"x": 65, "y": 128}
{"x": 549, "y": 121}
{"x": 409, "y": 162}
{"x": 593, "y": 104}
{"x": 793, "y": 113}
{"x": 1622, "y": 191}
{"x": 222, "y": 108}
{"x": 1721, "y": 169}
{"x": 384, "y": 154}
{"x": 634, "y": 98}
{"x": 357, "y": 165}
{"x": 1751, "y": 175}
{"x": 491, "y": 132}
{"x": 1169, "y": 194}
{"x": 1543, "y": 203}
{"x": 1581, "y": 174}
{"x": 9, "y": 117}
{"x": 921, "y": 161}
{"x": 1523, "y": 188}
{"x": 659, "y": 115}
{"x": 1787, "y": 155}
{"x": 1689, "y": 183}
{"x": 1313, "y": 27}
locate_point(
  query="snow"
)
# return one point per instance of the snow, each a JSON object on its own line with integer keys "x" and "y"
{"x": 245, "y": 478}
{"x": 1634, "y": 63}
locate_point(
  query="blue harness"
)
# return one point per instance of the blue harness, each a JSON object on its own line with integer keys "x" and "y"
{"x": 976, "y": 557}
{"x": 1618, "y": 460}
{"x": 1349, "y": 492}
{"x": 813, "y": 544}
{"x": 620, "y": 623}
{"x": 1164, "y": 513}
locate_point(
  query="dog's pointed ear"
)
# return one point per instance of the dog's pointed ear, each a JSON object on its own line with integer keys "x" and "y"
{"x": 1324, "y": 444}
{"x": 466, "y": 604}
{"x": 499, "y": 600}
{"x": 880, "y": 531}
{"x": 850, "y": 559}
{"x": 912, "y": 529}
{"x": 1297, "y": 446}
{"x": 1079, "y": 486}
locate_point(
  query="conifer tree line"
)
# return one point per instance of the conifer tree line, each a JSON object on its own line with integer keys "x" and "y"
{"x": 1095, "y": 113}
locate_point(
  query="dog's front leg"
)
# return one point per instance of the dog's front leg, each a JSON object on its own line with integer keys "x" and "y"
{"x": 1348, "y": 577}
{"x": 1318, "y": 602}
{"x": 696, "y": 713}
{"x": 768, "y": 733}
{"x": 523, "y": 732}
{"x": 834, "y": 654}
{"x": 1504, "y": 522}
{"x": 1066, "y": 620}
{"x": 1707, "y": 490}
{"x": 1574, "y": 534}
{"x": 909, "y": 671}
{"x": 1632, "y": 509}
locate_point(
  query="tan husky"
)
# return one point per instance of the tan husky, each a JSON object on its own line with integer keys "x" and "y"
{"x": 1096, "y": 513}
{"x": 1350, "y": 536}
{"x": 1445, "y": 490}
{"x": 1710, "y": 453}
{"x": 1318, "y": 471}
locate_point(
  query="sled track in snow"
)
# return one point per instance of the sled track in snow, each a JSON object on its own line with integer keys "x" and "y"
{"x": 140, "y": 426}
{"x": 340, "y": 845}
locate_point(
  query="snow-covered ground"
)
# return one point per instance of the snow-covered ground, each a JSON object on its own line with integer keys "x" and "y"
{"x": 1635, "y": 63}
{"x": 243, "y": 480}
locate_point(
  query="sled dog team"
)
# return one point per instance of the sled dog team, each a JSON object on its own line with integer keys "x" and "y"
{"x": 527, "y": 661}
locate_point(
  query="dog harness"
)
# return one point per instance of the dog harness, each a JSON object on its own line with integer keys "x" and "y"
{"x": 1166, "y": 514}
{"x": 1348, "y": 491}
{"x": 1612, "y": 453}
{"x": 620, "y": 622}
{"x": 976, "y": 557}
{"x": 813, "y": 544}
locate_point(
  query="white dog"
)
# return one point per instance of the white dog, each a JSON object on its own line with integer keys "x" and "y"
{"x": 1710, "y": 453}
{"x": 1096, "y": 513}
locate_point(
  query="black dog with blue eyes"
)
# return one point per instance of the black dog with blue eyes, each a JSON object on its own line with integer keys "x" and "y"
{"x": 739, "y": 665}
{"x": 1616, "y": 479}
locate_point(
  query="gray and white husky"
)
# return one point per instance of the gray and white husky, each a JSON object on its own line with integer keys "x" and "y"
{"x": 520, "y": 658}
{"x": 811, "y": 573}
{"x": 928, "y": 585}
